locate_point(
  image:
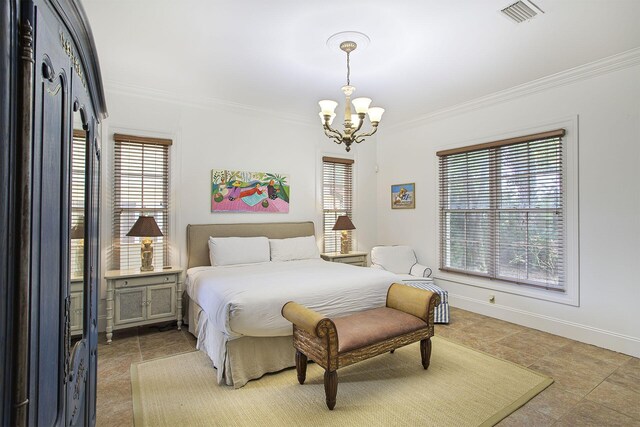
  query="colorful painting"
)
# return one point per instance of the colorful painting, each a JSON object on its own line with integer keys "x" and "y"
{"x": 238, "y": 191}
{"x": 403, "y": 196}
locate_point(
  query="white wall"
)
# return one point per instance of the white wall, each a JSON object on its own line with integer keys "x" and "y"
{"x": 209, "y": 135}
{"x": 608, "y": 111}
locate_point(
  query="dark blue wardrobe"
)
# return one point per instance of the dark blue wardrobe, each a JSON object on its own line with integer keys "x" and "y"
{"x": 50, "y": 86}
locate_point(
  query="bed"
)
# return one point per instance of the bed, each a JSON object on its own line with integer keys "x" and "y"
{"x": 234, "y": 310}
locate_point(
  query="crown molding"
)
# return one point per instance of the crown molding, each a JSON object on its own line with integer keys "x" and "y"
{"x": 202, "y": 102}
{"x": 609, "y": 64}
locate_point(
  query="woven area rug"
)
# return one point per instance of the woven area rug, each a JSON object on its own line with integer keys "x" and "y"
{"x": 462, "y": 387}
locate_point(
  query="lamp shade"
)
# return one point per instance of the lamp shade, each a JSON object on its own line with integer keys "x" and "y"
{"x": 77, "y": 231}
{"x": 375, "y": 114}
{"x": 328, "y": 106}
{"x": 145, "y": 226}
{"x": 343, "y": 223}
{"x": 361, "y": 104}
{"x": 331, "y": 117}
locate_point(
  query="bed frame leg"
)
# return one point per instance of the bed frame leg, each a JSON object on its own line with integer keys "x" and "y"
{"x": 301, "y": 366}
{"x": 425, "y": 352}
{"x": 331, "y": 388}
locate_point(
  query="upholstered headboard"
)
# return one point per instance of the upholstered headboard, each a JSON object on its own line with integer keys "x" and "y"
{"x": 198, "y": 235}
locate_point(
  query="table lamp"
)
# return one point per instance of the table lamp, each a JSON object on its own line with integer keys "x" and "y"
{"x": 343, "y": 223}
{"x": 145, "y": 227}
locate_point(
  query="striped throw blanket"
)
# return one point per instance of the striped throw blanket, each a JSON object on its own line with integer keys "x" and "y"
{"x": 441, "y": 313}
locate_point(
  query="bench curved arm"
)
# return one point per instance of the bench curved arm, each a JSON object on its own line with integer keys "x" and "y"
{"x": 302, "y": 317}
{"x": 417, "y": 302}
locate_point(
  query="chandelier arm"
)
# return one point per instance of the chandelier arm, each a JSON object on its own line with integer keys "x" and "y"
{"x": 361, "y": 137}
{"x": 361, "y": 116}
{"x": 336, "y": 137}
{"x": 331, "y": 135}
{"x": 329, "y": 131}
{"x": 338, "y": 140}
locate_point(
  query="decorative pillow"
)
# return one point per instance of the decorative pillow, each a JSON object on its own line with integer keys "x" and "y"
{"x": 294, "y": 248}
{"x": 238, "y": 250}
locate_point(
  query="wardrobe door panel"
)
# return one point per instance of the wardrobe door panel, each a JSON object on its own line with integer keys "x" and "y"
{"x": 50, "y": 224}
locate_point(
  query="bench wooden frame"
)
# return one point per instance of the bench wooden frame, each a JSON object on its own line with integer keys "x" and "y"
{"x": 315, "y": 337}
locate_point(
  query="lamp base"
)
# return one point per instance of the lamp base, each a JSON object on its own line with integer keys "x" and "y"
{"x": 146, "y": 255}
{"x": 344, "y": 243}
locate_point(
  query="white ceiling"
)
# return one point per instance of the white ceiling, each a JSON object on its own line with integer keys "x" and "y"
{"x": 424, "y": 55}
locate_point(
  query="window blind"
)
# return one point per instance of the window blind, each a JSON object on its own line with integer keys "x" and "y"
{"x": 141, "y": 187}
{"x": 78, "y": 150}
{"x": 337, "y": 198}
{"x": 502, "y": 212}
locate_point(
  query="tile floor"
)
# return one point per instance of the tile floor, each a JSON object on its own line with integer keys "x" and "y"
{"x": 593, "y": 386}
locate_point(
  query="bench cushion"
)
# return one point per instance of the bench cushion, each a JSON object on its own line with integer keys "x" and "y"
{"x": 373, "y": 326}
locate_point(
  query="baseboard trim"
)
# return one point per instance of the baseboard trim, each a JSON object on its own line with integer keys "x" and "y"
{"x": 588, "y": 334}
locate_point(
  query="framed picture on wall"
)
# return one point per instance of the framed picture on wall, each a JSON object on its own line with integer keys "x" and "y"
{"x": 403, "y": 196}
{"x": 255, "y": 192}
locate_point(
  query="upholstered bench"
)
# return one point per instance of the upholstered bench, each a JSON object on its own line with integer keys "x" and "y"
{"x": 343, "y": 341}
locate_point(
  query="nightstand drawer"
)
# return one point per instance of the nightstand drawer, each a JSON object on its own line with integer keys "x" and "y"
{"x": 143, "y": 281}
{"x": 355, "y": 260}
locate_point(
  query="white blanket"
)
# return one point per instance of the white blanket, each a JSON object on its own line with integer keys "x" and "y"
{"x": 245, "y": 300}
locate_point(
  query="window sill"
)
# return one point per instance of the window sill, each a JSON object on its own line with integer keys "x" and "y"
{"x": 568, "y": 297}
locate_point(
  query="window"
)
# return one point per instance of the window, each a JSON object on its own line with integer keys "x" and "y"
{"x": 78, "y": 148}
{"x": 337, "y": 198}
{"x": 502, "y": 210}
{"x": 141, "y": 187}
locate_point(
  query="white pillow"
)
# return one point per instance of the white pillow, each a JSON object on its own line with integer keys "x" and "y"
{"x": 238, "y": 250}
{"x": 294, "y": 248}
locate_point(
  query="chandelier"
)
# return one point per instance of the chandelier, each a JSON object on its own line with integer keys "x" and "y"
{"x": 352, "y": 122}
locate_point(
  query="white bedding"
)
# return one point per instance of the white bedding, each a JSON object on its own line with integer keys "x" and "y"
{"x": 245, "y": 300}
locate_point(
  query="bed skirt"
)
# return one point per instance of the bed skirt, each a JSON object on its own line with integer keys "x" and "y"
{"x": 243, "y": 359}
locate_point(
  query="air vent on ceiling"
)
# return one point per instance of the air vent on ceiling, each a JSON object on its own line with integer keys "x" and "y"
{"x": 521, "y": 11}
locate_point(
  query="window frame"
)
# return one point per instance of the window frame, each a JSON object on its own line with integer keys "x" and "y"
{"x": 345, "y": 160}
{"x": 570, "y": 296}
{"x": 166, "y": 248}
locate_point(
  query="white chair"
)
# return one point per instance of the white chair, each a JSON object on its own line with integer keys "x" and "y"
{"x": 402, "y": 261}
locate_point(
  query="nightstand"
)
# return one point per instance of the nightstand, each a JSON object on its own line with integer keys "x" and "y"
{"x": 353, "y": 258}
{"x": 75, "y": 309}
{"x": 136, "y": 298}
